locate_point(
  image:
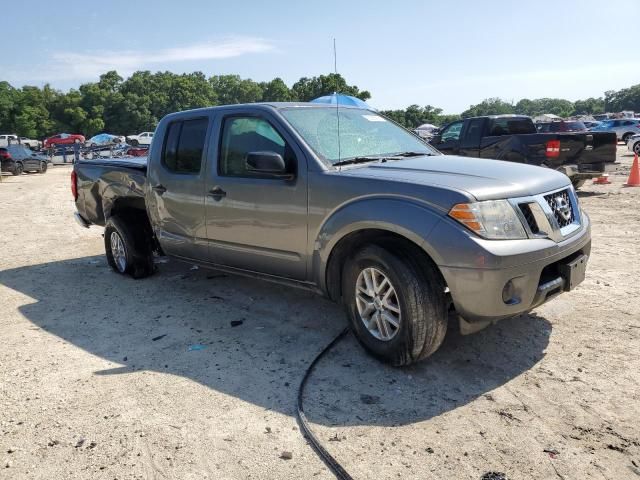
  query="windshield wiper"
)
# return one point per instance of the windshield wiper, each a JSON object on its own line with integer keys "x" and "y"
{"x": 410, "y": 154}
{"x": 353, "y": 160}
{"x": 381, "y": 158}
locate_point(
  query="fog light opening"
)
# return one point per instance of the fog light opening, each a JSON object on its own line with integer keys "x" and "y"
{"x": 509, "y": 294}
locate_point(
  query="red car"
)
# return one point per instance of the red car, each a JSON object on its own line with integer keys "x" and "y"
{"x": 63, "y": 139}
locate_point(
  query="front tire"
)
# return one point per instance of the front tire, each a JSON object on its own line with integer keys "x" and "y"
{"x": 396, "y": 306}
{"x": 43, "y": 167}
{"x": 636, "y": 148}
{"x": 626, "y": 137}
{"x": 18, "y": 169}
{"x": 127, "y": 248}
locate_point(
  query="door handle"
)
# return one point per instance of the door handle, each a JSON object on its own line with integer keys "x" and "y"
{"x": 159, "y": 189}
{"x": 217, "y": 193}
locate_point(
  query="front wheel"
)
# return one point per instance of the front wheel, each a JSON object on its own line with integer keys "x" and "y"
{"x": 18, "y": 169}
{"x": 636, "y": 148}
{"x": 396, "y": 306}
{"x": 43, "y": 167}
{"x": 127, "y": 248}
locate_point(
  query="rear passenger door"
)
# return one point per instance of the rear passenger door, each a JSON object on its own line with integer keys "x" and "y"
{"x": 176, "y": 179}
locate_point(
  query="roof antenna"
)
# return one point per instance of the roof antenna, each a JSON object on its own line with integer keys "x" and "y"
{"x": 335, "y": 69}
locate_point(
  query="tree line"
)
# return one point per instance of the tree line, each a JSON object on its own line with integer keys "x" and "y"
{"x": 135, "y": 104}
{"x": 120, "y": 106}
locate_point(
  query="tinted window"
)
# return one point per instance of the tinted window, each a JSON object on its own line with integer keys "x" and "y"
{"x": 184, "y": 145}
{"x": 511, "y": 126}
{"x": 473, "y": 134}
{"x": 241, "y": 135}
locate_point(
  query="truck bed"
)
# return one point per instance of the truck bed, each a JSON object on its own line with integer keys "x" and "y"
{"x": 103, "y": 184}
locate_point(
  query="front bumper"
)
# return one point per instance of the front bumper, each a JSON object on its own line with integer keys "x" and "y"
{"x": 534, "y": 266}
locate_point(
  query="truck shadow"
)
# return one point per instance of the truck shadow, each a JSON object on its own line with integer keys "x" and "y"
{"x": 254, "y": 340}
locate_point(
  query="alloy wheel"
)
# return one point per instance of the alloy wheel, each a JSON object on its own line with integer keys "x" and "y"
{"x": 118, "y": 252}
{"x": 377, "y": 303}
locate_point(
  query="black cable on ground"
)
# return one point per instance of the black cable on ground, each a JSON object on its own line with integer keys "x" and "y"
{"x": 326, "y": 457}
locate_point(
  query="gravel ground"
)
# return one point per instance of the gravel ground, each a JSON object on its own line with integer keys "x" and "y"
{"x": 105, "y": 377}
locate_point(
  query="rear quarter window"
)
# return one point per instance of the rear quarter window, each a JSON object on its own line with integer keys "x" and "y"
{"x": 184, "y": 145}
{"x": 511, "y": 126}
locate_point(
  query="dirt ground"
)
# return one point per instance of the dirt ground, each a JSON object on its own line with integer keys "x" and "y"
{"x": 105, "y": 377}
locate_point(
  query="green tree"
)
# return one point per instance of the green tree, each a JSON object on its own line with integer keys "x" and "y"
{"x": 307, "y": 89}
{"x": 489, "y": 106}
{"x": 588, "y": 106}
{"x": 231, "y": 89}
{"x": 275, "y": 91}
{"x": 625, "y": 99}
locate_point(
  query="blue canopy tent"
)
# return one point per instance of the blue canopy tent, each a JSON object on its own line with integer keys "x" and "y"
{"x": 340, "y": 99}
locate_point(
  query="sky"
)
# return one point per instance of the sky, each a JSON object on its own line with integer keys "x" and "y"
{"x": 447, "y": 54}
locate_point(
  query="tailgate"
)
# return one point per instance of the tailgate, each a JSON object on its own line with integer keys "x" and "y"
{"x": 588, "y": 150}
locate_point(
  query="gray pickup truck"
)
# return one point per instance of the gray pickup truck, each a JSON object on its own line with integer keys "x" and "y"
{"x": 346, "y": 203}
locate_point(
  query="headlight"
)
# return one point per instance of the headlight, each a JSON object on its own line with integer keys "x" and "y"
{"x": 493, "y": 219}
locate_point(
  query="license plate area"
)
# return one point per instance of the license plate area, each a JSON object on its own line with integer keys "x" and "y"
{"x": 574, "y": 272}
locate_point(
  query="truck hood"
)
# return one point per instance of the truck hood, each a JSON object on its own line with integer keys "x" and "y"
{"x": 481, "y": 178}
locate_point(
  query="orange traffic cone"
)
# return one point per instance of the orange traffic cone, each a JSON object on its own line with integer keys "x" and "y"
{"x": 602, "y": 180}
{"x": 634, "y": 176}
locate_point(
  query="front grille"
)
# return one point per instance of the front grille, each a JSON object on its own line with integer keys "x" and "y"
{"x": 525, "y": 208}
{"x": 561, "y": 206}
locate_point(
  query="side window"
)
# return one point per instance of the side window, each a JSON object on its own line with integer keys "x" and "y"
{"x": 452, "y": 132}
{"x": 184, "y": 145}
{"x": 473, "y": 134}
{"x": 242, "y": 135}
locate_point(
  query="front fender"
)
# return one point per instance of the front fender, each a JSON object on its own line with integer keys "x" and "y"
{"x": 407, "y": 217}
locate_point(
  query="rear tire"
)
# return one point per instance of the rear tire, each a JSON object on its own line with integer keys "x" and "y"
{"x": 127, "y": 247}
{"x": 419, "y": 300}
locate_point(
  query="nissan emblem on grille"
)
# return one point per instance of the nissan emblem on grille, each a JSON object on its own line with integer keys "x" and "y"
{"x": 561, "y": 207}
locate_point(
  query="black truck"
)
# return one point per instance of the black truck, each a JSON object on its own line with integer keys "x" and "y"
{"x": 579, "y": 155}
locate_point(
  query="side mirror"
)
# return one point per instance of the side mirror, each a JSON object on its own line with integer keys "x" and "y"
{"x": 437, "y": 138}
{"x": 267, "y": 163}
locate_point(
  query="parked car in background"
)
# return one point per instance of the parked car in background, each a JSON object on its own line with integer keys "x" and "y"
{"x": 375, "y": 219}
{"x": 591, "y": 125}
{"x": 19, "y": 158}
{"x": 31, "y": 143}
{"x": 143, "y": 138}
{"x": 624, "y": 127}
{"x": 103, "y": 139}
{"x": 633, "y": 144}
{"x": 561, "y": 126}
{"x": 579, "y": 155}
{"x": 5, "y": 138}
{"x": 63, "y": 139}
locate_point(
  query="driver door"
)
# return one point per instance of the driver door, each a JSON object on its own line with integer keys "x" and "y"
{"x": 450, "y": 138}
{"x": 256, "y": 222}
